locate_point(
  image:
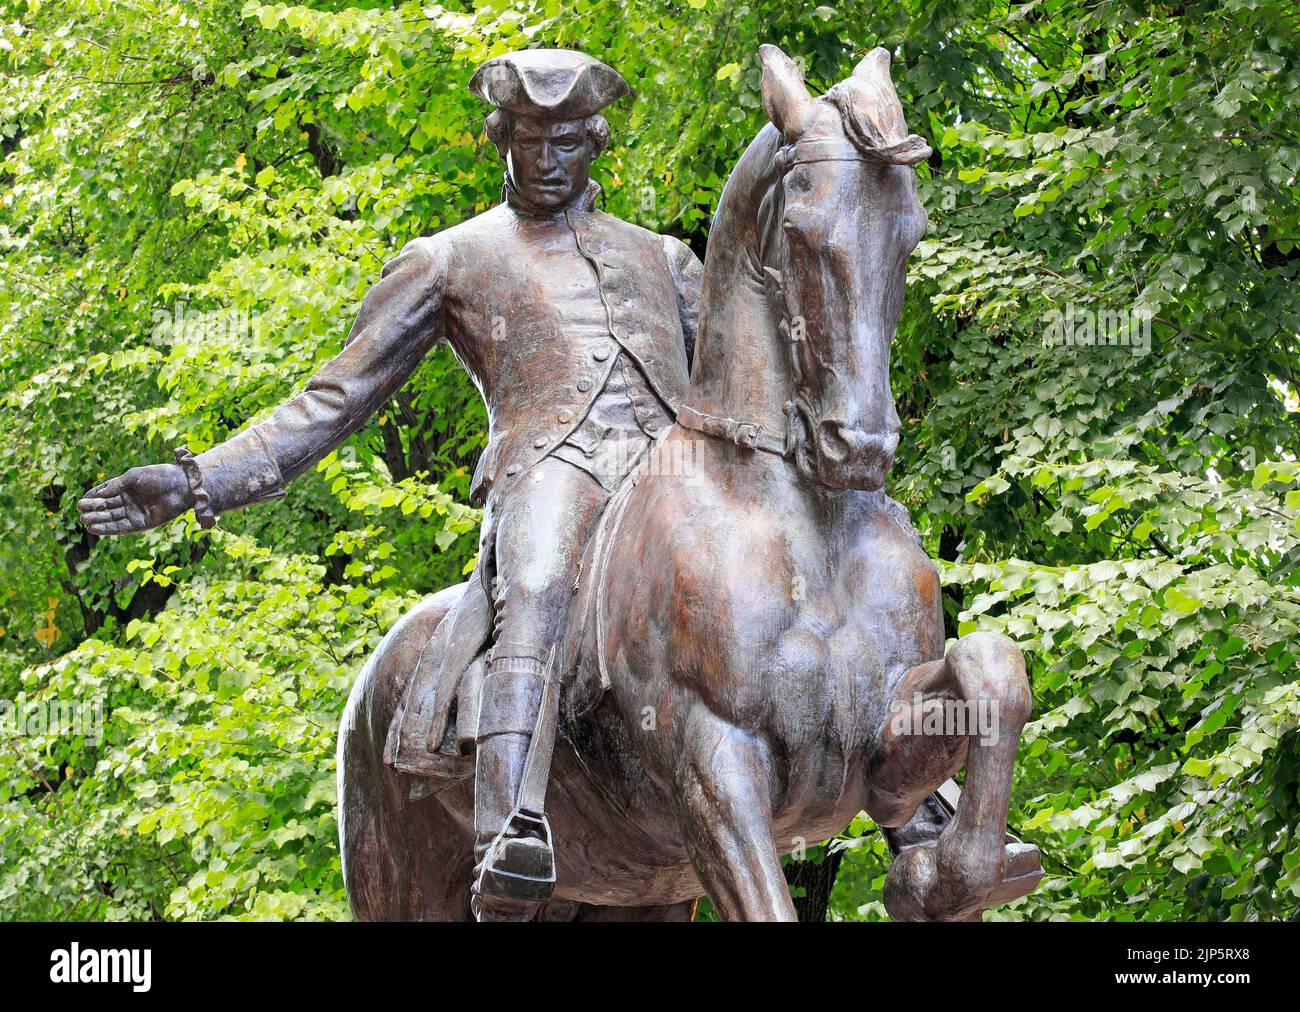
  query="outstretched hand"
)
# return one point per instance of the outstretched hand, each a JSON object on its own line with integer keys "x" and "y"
{"x": 142, "y": 498}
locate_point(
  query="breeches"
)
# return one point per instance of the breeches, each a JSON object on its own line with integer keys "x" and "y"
{"x": 540, "y": 536}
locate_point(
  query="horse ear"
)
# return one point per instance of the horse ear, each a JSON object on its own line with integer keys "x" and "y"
{"x": 873, "y": 103}
{"x": 785, "y": 97}
{"x": 874, "y": 65}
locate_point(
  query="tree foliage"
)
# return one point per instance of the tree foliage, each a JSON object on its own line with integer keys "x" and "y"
{"x": 194, "y": 197}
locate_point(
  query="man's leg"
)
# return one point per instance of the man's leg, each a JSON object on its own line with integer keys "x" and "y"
{"x": 541, "y": 533}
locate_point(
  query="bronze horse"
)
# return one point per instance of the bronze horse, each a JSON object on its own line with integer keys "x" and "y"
{"x": 755, "y": 644}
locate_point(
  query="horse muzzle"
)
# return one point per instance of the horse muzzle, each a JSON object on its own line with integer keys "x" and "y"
{"x": 848, "y": 457}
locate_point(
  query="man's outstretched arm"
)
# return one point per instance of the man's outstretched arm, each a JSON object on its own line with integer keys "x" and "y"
{"x": 399, "y": 321}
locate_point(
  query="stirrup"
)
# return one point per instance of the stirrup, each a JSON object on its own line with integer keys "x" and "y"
{"x": 519, "y": 866}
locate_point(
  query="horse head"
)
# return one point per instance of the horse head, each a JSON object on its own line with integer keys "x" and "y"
{"x": 837, "y": 218}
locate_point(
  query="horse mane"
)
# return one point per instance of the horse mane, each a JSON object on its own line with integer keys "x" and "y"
{"x": 735, "y": 241}
{"x": 751, "y": 182}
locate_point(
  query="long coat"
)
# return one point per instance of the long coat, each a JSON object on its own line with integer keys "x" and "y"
{"x": 534, "y": 307}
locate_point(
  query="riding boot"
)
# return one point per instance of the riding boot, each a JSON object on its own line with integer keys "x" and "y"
{"x": 514, "y": 864}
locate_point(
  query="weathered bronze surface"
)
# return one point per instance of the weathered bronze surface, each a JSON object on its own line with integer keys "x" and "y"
{"x": 700, "y": 635}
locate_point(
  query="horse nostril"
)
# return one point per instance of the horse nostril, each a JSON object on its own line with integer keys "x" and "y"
{"x": 837, "y": 441}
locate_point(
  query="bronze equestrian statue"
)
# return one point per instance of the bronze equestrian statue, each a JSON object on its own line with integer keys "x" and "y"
{"x": 700, "y": 586}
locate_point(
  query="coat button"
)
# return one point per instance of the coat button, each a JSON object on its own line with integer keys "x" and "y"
{"x": 584, "y": 384}
{"x": 512, "y": 470}
{"x": 565, "y": 416}
{"x": 539, "y": 442}
{"x": 601, "y": 353}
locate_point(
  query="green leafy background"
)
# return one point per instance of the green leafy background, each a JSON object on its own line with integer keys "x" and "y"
{"x": 1128, "y": 515}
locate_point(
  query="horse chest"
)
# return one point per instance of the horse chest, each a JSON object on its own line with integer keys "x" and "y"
{"x": 782, "y": 641}
{"x": 825, "y": 682}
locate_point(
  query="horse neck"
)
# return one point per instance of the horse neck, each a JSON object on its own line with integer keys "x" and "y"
{"x": 741, "y": 369}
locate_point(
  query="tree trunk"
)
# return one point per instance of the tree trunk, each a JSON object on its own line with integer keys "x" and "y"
{"x": 816, "y": 879}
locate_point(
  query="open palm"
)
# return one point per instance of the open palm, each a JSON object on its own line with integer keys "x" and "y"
{"x": 142, "y": 498}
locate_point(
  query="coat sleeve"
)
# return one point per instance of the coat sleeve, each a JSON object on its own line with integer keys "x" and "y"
{"x": 400, "y": 320}
{"x": 688, "y": 274}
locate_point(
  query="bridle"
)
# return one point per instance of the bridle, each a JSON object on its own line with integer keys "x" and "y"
{"x": 752, "y": 435}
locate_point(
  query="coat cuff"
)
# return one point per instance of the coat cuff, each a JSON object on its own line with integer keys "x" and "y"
{"x": 240, "y": 472}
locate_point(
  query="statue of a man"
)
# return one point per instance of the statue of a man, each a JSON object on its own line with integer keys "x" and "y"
{"x": 576, "y": 326}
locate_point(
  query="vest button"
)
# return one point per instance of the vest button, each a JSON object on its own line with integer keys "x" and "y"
{"x": 565, "y": 416}
{"x": 512, "y": 470}
{"x": 584, "y": 384}
{"x": 539, "y": 442}
{"x": 601, "y": 353}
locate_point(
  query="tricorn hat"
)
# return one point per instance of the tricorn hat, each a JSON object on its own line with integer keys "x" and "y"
{"x": 548, "y": 83}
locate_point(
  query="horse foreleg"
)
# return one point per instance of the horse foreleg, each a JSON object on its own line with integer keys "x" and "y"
{"x": 970, "y": 867}
{"x": 724, "y": 809}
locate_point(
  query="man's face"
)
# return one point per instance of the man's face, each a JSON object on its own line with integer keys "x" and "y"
{"x": 549, "y": 159}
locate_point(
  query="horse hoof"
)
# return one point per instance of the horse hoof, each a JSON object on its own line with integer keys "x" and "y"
{"x": 916, "y": 888}
{"x": 1024, "y": 870}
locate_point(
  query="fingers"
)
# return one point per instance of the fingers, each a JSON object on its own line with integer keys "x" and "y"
{"x": 94, "y": 504}
{"x": 103, "y": 516}
{"x": 106, "y": 516}
{"x": 98, "y": 513}
{"x": 101, "y": 528}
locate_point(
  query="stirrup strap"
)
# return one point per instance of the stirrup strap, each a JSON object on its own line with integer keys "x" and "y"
{"x": 537, "y": 765}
